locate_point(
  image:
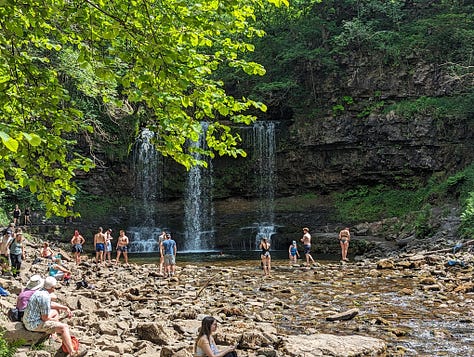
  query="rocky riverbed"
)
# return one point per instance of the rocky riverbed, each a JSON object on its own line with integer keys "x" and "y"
{"x": 410, "y": 304}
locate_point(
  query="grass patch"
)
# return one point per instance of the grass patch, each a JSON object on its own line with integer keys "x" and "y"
{"x": 375, "y": 203}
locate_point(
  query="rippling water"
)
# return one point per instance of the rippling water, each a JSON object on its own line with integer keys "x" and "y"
{"x": 420, "y": 323}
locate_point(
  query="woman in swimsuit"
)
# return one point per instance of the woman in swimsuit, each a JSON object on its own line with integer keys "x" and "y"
{"x": 16, "y": 215}
{"x": 293, "y": 253}
{"x": 205, "y": 345}
{"x": 344, "y": 238}
{"x": 265, "y": 256}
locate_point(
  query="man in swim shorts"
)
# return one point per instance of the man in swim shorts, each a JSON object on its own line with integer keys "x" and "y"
{"x": 307, "y": 246}
{"x": 122, "y": 247}
{"x": 77, "y": 241}
{"x": 99, "y": 244}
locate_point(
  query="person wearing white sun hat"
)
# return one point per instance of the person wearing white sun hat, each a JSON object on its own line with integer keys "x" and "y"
{"x": 41, "y": 315}
{"x": 35, "y": 283}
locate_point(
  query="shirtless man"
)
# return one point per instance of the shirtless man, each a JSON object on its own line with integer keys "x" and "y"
{"x": 344, "y": 238}
{"x": 77, "y": 241}
{"x": 122, "y": 247}
{"x": 99, "y": 244}
{"x": 307, "y": 246}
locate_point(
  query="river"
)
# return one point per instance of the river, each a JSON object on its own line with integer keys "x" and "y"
{"x": 414, "y": 319}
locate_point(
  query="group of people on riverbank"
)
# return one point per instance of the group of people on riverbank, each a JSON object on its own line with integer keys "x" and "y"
{"x": 16, "y": 213}
{"x": 37, "y": 308}
{"x": 102, "y": 246}
{"x": 103, "y": 249}
{"x": 293, "y": 253}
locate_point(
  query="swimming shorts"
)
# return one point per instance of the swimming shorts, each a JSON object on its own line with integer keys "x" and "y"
{"x": 77, "y": 248}
{"x": 99, "y": 247}
{"x": 307, "y": 249}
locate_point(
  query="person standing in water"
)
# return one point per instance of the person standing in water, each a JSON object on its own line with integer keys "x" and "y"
{"x": 307, "y": 246}
{"x": 265, "y": 256}
{"x": 344, "y": 238}
{"x": 293, "y": 253}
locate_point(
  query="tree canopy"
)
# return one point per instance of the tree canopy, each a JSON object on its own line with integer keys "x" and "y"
{"x": 152, "y": 59}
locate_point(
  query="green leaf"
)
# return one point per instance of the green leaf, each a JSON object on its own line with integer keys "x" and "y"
{"x": 10, "y": 143}
{"x": 33, "y": 139}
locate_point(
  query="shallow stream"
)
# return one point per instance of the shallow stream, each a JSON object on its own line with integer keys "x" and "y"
{"x": 393, "y": 306}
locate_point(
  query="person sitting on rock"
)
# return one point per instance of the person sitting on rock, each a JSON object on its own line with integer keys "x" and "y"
{"x": 205, "y": 344}
{"x": 34, "y": 284}
{"x": 46, "y": 251}
{"x": 42, "y": 315}
{"x": 58, "y": 271}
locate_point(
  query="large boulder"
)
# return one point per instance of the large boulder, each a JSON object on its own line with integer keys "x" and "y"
{"x": 332, "y": 345}
{"x": 15, "y": 331}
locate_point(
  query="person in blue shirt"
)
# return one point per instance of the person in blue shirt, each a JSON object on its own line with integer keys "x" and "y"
{"x": 169, "y": 251}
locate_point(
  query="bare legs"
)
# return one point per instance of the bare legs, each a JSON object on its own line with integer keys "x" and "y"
{"x": 266, "y": 263}
{"x": 125, "y": 255}
{"x": 344, "y": 249}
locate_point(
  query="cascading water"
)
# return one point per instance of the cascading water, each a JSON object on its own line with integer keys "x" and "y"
{"x": 148, "y": 164}
{"x": 199, "y": 209}
{"x": 264, "y": 155}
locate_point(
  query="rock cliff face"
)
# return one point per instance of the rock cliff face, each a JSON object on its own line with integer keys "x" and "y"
{"x": 338, "y": 153}
{"x": 354, "y": 140}
{"x": 347, "y": 146}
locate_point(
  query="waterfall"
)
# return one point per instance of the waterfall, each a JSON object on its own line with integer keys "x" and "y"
{"x": 148, "y": 180}
{"x": 199, "y": 209}
{"x": 264, "y": 149}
